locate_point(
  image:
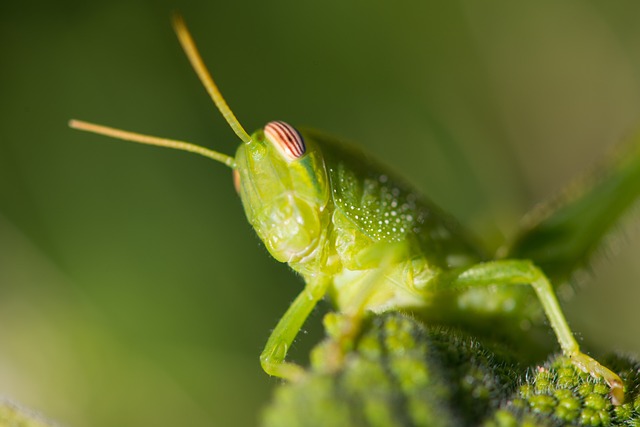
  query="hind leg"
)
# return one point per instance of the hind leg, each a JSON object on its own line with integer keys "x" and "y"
{"x": 518, "y": 272}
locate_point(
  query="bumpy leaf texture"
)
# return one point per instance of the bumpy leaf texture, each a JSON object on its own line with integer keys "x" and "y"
{"x": 402, "y": 373}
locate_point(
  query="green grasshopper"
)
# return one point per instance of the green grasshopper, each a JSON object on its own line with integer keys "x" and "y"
{"x": 354, "y": 232}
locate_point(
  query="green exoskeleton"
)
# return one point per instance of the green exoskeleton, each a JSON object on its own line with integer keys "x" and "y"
{"x": 355, "y": 233}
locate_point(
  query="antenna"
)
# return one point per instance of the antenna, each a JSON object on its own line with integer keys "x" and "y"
{"x": 152, "y": 140}
{"x": 189, "y": 47}
{"x": 194, "y": 57}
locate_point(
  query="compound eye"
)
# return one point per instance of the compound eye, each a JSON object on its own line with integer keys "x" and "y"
{"x": 236, "y": 180}
{"x": 286, "y": 139}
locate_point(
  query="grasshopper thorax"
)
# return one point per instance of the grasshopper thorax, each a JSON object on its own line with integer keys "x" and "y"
{"x": 282, "y": 182}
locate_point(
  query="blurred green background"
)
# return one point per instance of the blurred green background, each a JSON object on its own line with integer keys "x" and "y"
{"x": 132, "y": 290}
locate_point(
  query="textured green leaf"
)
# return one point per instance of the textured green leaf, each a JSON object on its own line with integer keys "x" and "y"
{"x": 402, "y": 373}
{"x": 399, "y": 374}
{"x": 557, "y": 394}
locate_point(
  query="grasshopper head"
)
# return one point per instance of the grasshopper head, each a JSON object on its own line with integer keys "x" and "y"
{"x": 282, "y": 181}
{"x": 281, "y": 178}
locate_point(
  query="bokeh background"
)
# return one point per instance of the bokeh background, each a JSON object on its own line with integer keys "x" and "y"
{"x": 132, "y": 290}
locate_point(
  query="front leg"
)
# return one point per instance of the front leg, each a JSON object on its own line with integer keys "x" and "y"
{"x": 514, "y": 272}
{"x": 342, "y": 327}
{"x": 275, "y": 351}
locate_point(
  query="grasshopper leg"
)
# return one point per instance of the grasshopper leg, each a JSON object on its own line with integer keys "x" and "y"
{"x": 343, "y": 327}
{"x": 505, "y": 272}
{"x": 275, "y": 351}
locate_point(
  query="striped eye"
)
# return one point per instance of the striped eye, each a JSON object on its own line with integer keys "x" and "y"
{"x": 286, "y": 139}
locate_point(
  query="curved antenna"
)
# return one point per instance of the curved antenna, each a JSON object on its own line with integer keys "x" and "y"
{"x": 152, "y": 140}
{"x": 194, "y": 57}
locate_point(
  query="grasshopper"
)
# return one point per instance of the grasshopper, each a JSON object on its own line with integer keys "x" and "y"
{"x": 354, "y": 231}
